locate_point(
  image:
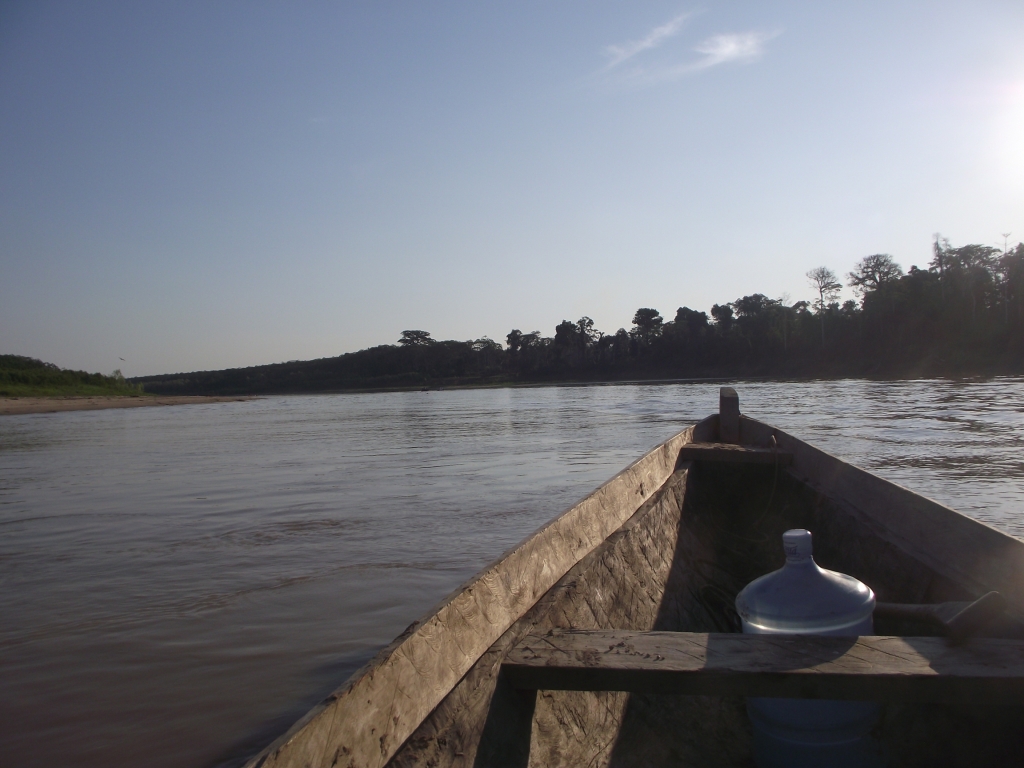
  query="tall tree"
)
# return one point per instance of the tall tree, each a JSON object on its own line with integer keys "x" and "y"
{"x": 415, "y": 339}
{"x": 872, "y": 272}
{"x": 1011, "y": 278}
{"x": 753, "y": 305}
{"x": 824, "y": 281}
{"x": 695, "y": 322}
{"x": 971, "y": 268}
{"x": 648, "y": 324}
{"x": 723, "y": 315}
{"x": 586, "y": 335}
{"x": 529, "y": 340}
{"x": 940, "y": 246}
{"x": 565, "y": 334}
{"x": 485, "y": 344}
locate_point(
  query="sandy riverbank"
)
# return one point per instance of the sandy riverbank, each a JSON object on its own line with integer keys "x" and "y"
{"x": 10, "y": 406}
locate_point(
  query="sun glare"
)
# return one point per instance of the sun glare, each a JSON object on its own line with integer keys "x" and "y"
{"x": 1008, "y": 134}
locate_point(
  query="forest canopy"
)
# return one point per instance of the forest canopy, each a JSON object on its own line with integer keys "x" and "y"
{"x": 961, "y": 314}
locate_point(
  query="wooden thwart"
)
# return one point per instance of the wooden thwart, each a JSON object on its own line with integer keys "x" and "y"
{"x": 871, "y": 667}
{"x": 734, "y": 454}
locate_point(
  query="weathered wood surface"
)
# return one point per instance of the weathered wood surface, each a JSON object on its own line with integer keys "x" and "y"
{"x": 659, "y": 570}
{"x": 728, "y": 415}
{"x": 873, "y": 668}
{"x": 645, "y": 575}
{"x": 968, "y": 553}
{"x": 729, "y": 453}
{"x": 368, "y": 719}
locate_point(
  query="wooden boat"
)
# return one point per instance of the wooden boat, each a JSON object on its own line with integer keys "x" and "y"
{"x": 608, "y": 636}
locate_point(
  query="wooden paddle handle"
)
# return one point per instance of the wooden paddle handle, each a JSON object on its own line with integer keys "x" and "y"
{"x": 975, "y": 617}
{"x": 969, "y": 621}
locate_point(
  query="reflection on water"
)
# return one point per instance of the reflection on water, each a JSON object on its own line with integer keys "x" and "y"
{"x": 179, "y": 584}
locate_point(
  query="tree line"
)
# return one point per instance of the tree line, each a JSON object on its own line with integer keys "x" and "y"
{"x": 961, "y": 314}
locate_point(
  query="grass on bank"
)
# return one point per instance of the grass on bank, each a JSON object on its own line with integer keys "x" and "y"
{"x": 27, "y": 377}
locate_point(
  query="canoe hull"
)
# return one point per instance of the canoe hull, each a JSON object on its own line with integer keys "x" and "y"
{"x": 665, "y": 545}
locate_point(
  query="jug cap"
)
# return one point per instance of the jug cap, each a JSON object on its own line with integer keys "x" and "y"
{"x": 797, "y": 544}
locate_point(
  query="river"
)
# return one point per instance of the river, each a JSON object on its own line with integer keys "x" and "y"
{"x": 178, "y": 585}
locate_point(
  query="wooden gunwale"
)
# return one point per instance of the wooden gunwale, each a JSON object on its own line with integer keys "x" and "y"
{"x": 364, "y": 722}
{"x": 367, "y": 720}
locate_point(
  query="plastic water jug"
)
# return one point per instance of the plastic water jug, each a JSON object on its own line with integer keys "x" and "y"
{"x": 803, "y": 598}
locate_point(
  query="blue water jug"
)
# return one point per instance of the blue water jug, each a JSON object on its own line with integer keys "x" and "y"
{"x": 803, "y": 598}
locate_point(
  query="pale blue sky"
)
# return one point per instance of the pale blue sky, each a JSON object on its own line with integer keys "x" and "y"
{"x": 206, "y": 185}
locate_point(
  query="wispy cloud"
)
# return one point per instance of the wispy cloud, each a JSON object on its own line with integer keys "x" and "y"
{"x": 722, "y": 49}
{"x": 624, "y": 52}
{"x": 714, "y": 51}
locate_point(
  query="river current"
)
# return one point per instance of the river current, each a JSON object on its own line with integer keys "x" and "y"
{"x": 178, "y": 585}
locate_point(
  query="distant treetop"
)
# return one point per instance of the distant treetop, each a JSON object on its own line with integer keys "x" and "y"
{"x": 415, "y": 339}
{"x": 874, "y": 271}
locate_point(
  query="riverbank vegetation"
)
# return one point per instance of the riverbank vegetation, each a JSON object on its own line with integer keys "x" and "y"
{"x": 961, "y": 315}
{"x": 28, "y": 377}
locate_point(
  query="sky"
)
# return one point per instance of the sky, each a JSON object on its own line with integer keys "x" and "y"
{"x": 192, "y": 186}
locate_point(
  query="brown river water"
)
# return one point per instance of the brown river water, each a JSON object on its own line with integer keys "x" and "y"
{"x": 178, "y": 585}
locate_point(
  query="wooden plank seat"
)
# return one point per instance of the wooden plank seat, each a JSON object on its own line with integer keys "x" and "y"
{"x": 734, "y": 454}
{"x": 876, "y": 668}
